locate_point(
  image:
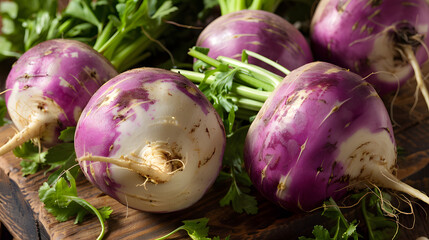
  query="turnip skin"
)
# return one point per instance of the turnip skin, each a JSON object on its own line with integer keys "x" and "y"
{"x": 359, "y": 35}
{"x": 49, "y": 86}
{"x": 144, "y": 106}
{"x": 322, "y": 131}
{"x": 258, "y": 31}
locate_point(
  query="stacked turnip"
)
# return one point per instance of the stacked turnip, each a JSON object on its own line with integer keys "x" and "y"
{"x": 151, "y": 139}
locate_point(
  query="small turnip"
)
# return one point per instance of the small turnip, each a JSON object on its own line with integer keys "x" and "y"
{"x": 383, "y": 41}
{"x": 323, "y": 131}
{"x": 48, "y": 87}
{"x": 150, "y": 139}
{"x": 258, "y": 31}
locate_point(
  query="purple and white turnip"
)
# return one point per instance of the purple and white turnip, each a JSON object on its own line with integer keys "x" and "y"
{"x": 48, "y": 87}
{"x": 150, "y": 139}
{"x": 322, "y": 131}
{"x": 383, "y": 41}
{"x": 258, "y": 31}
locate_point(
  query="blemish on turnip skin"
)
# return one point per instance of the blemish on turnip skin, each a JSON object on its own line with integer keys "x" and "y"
{"x": 207, "y": 159}
{"x": 207, "y": 131}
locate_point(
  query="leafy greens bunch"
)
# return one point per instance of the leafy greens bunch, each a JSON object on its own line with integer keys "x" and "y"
{"x": 122, "y": 30}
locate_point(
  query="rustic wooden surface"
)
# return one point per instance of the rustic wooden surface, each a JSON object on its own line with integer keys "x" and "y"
{"x": 25, "y": 217}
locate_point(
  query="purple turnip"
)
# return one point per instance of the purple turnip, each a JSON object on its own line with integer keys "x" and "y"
{"x": 48, "y": 87}
{"x": 383, "y": 41}
{"x": 323, "y": 131}
{"x": 258, "y": 31}
{"x": 150, "y": 139}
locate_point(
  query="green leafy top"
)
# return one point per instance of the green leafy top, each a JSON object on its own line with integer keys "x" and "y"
{"x": 122, "y": 30}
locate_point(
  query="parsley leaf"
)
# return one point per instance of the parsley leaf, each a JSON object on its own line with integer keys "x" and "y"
{"x": 61, "y": 200}
{"x": 197, "y": 229}
{"x": 319, "y": 232}
{"x": 32, "y": 158}
{"x": 237, "y": 194}
{"x": 378, "y": 215}
{"x": 342, "y": 230}
{"x": 60, "y": 157}
{"x": 240, "y": 200}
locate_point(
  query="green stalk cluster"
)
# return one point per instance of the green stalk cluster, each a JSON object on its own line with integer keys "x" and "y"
{"x": 238, "y": 86}
{"x": 228, "y": 6}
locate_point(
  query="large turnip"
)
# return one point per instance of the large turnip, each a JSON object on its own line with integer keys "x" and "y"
{"x": 48, "y": 87}
{"x": 323, "y": 131}
{"x": 150, "y": 139}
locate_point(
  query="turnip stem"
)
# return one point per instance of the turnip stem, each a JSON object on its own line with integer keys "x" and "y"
{"x": 32, "y": 130}
{"x": 203, "y": 57}
{"x": 269, "y": 61}
{"x": 260, "y": 73}
{"x": 264, "y": 79}
{"x": 87, "y": 205}
{"x": 241, "y": 90}
{"x": 418, "y": 73}
{"x": 387, "y": 180}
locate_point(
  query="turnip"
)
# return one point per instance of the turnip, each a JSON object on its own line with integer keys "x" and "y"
{"x": 48, "y": 87}
{"x": 383, "y": 41}
{"x": 150, "y": 139}
{"x": 259, "y": 31}
{"x": 323, "y": 131}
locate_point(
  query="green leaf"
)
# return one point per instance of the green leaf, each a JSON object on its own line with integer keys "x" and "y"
{"x": 61, "y": 200}
{"x": 29, "y": 167}
{"x": 3, "y": 109}
{"x": 81, "y": 9}
{"x": 62, "y": 158}
{"x": 319, "y": 232}
{"x": 67, "y": 135}
{"x": 8, "y": 26}
{"x": 350, "y": 231}
{"x": 239, "y": 200}
{"x": 9, "y": 9}
{"x": 58, "y": 199}
{"x": 197, "y": 229}
{"x": 165, "y": 9}
{"x": 30, "y": 152}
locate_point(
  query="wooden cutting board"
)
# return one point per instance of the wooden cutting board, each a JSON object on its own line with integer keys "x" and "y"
{"x": 25, "y": 217}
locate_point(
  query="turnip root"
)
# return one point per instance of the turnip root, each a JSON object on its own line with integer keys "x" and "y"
{"x": 257, "y": 31}
{"x": 383, "y": 41}
{"x": 150, "y": 139}
{"x": 324, "y": 130}
{"x": 48, "y": 87}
